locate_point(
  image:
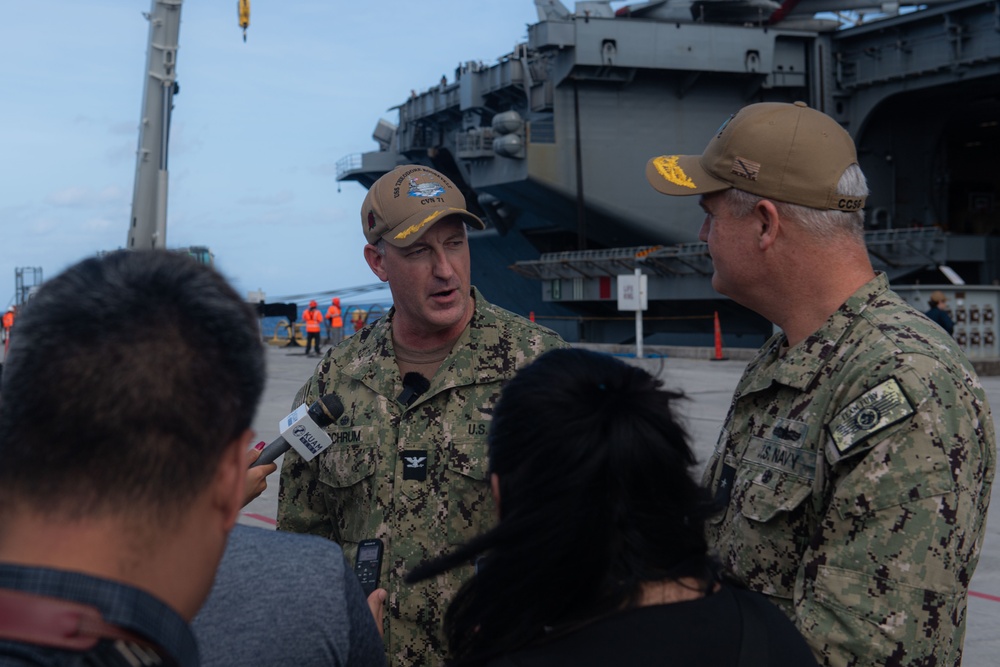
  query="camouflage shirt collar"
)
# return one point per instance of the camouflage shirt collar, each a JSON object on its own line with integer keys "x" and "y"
{"x": 799, "y": 365}
{"x": 469, "y": 362}
{"x": 375, "y": 364}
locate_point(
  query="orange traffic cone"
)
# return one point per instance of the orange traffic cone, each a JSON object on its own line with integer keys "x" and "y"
{"x": 718, "y": 340}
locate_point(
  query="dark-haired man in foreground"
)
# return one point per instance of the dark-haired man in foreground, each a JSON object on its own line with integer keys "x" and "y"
{"x": 125, "y": 410}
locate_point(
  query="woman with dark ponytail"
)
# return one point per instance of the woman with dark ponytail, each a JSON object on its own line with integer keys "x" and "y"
{"x": 599, "y": 555}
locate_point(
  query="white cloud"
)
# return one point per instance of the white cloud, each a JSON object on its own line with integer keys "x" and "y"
{"x": 111, "y": 193}
{"x": 100, "y": 224}
{"x": 77, "y": 196}
{"x": 275, "y": 199}
{"x": 71, "y": 196}
{"x": 42, "y": 226}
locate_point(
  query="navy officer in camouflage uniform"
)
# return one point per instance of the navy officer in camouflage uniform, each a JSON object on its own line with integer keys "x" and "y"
{"x": 856, "y": 461}
{"x": 408, "y": 462}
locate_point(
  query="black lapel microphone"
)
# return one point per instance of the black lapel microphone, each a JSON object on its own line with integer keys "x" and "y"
{"x": 414, "y": 384}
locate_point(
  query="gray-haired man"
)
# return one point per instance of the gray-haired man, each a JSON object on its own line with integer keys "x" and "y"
{"x": 857, "y": 458}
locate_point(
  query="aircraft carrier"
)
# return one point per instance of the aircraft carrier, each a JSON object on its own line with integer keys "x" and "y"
{"x": 550, "y": 141}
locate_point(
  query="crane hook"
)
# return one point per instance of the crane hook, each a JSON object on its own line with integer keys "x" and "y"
{"x": 244, "y": 12}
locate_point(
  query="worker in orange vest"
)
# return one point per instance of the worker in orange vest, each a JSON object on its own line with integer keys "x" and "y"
{"x": 314, "y": 321}
{"x": 8, "y": 322}
{"x": 335, "y": 321}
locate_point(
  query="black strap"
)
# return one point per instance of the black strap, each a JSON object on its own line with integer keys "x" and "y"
{"x": 753, "y": 643}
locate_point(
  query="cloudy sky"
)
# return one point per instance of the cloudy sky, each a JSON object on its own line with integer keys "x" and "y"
{"x": 258, "y": 127}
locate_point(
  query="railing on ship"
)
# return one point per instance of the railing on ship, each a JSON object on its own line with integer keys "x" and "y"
{"x": 894, "y": 251}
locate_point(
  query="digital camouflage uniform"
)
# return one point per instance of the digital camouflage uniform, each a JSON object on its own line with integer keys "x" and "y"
{"x": 367, "y": 484}
{"x": 856, "y": 469}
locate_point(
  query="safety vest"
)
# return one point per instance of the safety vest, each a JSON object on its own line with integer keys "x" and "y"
{"x": 313, "y": 318}
{"x": 333, "y": 314}
{"x": 8, "y": 320}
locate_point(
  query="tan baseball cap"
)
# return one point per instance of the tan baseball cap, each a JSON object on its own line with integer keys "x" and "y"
{"x": 785, "y": 152}
{"x": 404, "y": 203}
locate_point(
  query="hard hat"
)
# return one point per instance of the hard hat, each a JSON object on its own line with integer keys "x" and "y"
{"x": 10, "y": 309}
{"x": 336, "y": 300}
{"x": 312, "y": 304}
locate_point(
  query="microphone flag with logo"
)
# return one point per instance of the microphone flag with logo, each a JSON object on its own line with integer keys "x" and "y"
{"x": 303, "y": 430}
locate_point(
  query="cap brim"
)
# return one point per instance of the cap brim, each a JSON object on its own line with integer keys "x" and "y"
{"x": 681, "y": 175}
{"x": 415, "y": 226}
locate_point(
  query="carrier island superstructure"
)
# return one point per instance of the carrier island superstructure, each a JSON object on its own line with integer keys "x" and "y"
{"x": 549, "y": 144}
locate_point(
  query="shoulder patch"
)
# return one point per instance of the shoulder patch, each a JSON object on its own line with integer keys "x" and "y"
{"x": 877, "y": 409}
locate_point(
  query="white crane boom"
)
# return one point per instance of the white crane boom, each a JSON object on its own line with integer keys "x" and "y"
{"x": 148, "y": 228}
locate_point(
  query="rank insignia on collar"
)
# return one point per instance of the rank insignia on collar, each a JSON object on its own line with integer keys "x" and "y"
{"x": 725, "y": 488}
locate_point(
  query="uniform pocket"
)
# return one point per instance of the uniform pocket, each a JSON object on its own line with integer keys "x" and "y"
{"x": 776, "y": 516}
{"x": 470, "y": 503}
{"x": 767, "y": 534}
{"x": 763, "y": 503}
{"x": 349, "y": 475}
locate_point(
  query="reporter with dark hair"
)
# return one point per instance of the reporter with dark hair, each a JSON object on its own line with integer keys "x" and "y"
{"x": 599, "y": 556}
{"x": 122, "y": 443}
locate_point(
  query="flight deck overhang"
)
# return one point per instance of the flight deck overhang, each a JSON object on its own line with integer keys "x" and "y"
{"x": 602, "y": 46}
{"x": 366, "y": 168}
{"x": 928, "y": 48}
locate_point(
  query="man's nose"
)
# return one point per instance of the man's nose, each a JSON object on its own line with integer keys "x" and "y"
{"x": 442, "y": 267}
{"x": 703, "y": 232}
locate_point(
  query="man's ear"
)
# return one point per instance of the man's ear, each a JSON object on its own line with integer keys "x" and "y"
{"x": 375, "y": 262}
{"x": 230, "y": 480}
{"x": 769, "y": 223}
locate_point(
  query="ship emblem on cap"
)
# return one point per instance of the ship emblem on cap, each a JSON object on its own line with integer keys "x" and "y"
{"x": 371, "y": 219}
{"x": 431, "y": 189}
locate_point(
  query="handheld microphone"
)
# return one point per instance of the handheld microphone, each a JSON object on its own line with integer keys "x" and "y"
{"x": 414, "y": 384}
{"x": 322, "y": 413}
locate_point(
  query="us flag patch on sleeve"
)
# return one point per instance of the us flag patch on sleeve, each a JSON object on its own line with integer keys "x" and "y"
{"x": 878, "y": 408}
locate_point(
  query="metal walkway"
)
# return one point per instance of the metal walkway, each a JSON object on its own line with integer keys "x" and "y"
{"x": 685, "y": 270}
